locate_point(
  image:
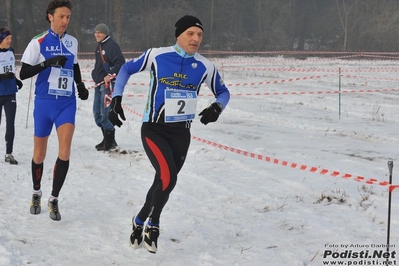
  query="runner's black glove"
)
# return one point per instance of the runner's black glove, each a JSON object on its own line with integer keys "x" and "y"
{"x": 83, "y": 93}
{"x": 211, "y": 113}
{"x": 8, "y": 75}
{"x": 116, "y": 108}
{"x": 19, "y": 84}
{"x": 58, "y": 60}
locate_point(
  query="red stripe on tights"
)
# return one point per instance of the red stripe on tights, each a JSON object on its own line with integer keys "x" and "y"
{"x": 165, "y": 174}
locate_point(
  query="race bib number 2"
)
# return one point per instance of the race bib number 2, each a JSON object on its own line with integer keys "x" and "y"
{"x": 180, "y": 105}
{"x": 60, "y": 81}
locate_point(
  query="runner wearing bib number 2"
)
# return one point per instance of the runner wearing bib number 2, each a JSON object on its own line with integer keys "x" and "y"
{"x": 177, "y": 73}
{"x": 53, "y": 56}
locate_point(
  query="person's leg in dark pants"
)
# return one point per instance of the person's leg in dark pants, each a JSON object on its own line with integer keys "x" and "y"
{"x": 166, "y": 147}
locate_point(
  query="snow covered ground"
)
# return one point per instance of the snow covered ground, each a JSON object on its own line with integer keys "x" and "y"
{"x": 291, "y": 174}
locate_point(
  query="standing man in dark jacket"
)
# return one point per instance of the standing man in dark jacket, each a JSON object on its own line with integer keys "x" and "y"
{"x": 109, "y": 59}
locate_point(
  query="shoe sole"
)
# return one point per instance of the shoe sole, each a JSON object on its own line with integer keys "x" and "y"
{"x": 149, "y": 248}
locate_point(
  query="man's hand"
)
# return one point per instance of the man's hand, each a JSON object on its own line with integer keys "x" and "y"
{"x": 58, "y": 60}
{"x": 116, "y": 109}
{"x": 19, "y": 84}
{"x": 83, "y": 93}
{"x": 211, "y": 113}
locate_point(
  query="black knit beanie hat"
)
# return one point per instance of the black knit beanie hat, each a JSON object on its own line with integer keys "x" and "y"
{"x": 186, "y": 22}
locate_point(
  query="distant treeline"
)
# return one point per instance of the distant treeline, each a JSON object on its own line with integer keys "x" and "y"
{"x": 234, "y": 25}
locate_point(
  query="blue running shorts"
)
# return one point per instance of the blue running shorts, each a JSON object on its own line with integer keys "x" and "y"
{"x": 49, "y": 112}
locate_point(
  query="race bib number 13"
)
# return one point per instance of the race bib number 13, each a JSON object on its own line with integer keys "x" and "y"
{"x": 60, "y": 81}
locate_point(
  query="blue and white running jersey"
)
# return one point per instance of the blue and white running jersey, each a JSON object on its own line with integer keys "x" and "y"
{"x": 7, "y": 64}
{"x": 53, "y": 82}
{"x": 171, "y": 69}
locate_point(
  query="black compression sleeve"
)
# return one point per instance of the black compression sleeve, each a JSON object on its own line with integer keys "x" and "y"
{"x": 77, "y": 74}
{"x": 28, "y": 71}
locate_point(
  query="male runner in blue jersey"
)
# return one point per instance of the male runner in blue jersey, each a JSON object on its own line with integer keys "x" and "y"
{"x": 177, "y": 73}
{"x": 53, "y": 56}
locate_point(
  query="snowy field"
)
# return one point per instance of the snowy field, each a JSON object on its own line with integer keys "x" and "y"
{"x": 291, "y": 174}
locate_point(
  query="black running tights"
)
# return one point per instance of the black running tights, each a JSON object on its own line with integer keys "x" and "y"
{"x": 166, "y": 148}
{"x": 10, "y": 108}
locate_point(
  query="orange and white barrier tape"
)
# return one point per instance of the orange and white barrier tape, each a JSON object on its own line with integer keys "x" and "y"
{"x": 303, "y": 167}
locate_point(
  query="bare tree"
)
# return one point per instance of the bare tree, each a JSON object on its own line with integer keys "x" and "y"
{"x": 380, "y": 30}
{"x": 118, "y": 11}
{"x": 343, "y": 13}
{"x": 9, "y": 15}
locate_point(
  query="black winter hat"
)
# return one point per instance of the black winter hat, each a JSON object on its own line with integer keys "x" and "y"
{"x": 186, "y": 22}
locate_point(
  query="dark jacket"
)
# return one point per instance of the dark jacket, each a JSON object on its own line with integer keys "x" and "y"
{"x": 113, "y": 57}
